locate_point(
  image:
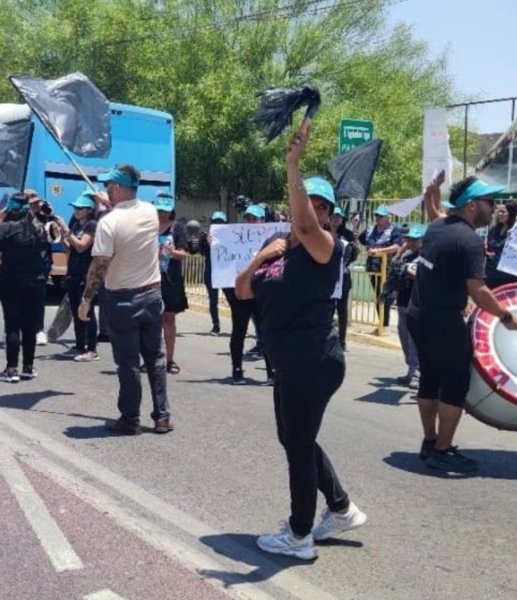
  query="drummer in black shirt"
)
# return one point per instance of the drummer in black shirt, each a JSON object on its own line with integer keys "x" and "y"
{"x": 451, "y": 267}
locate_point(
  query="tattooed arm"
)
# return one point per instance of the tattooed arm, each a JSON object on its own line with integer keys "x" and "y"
{"x": 94, "y": 280}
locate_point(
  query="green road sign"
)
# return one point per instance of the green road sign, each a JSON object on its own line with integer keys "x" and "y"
{"x": 353, "y": 133}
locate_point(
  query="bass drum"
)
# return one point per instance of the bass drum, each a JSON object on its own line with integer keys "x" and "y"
{"x": 492, "y": 396}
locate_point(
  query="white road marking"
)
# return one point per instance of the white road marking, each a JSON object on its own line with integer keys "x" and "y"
{"x": 147, "y": 530}
{"x": 52, "y": 539}
{"x": 103, "y": 595}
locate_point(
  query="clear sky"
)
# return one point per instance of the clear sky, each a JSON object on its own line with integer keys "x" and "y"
{"x": 481, "y": 40}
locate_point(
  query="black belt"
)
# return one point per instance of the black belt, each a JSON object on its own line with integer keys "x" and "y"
{"x": 139, "y": 290}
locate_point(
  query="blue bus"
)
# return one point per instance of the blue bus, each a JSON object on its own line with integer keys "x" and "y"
{"x": 141, "y": 136}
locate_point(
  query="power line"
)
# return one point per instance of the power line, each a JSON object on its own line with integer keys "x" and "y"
{"x": 281, "y": 12}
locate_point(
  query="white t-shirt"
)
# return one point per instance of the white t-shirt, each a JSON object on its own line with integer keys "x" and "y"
{"x": 129, "y": 234}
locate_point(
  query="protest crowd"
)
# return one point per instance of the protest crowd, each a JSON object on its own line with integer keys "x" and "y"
{"x": 125, "y": 260}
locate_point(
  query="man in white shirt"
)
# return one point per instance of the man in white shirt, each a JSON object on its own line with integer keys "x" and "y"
{"x": 125, "y": 259}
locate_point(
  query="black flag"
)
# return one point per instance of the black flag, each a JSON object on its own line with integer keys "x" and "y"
{"x": 15, "y": 139}
{"x": 72, "y": 109}
{"x": 353, "y": 171}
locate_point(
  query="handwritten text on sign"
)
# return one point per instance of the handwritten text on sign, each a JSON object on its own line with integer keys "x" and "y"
{"x": 508, "y": 260}
{"x": 233, "y": 247}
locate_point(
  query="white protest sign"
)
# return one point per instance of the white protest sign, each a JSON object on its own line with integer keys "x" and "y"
{"x": 405, "y": 207}
{"x": 436, "y": 152}
{"x": 508, "y": 260}
{"x": 233, "y": 246}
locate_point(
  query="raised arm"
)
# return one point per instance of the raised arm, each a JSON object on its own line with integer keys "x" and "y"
{"x": 432, "y": 198}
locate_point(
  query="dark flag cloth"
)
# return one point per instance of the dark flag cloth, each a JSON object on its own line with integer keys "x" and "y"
{"x": 15, "y": 139}
{"x": 353, "y": 171}
{"x": 277, "y": 106}
{"x": 72, "y": 109}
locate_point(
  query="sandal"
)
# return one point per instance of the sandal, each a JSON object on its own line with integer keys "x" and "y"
{"x": 173, "y": 368}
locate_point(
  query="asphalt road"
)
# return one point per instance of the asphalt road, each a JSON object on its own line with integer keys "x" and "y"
{"x": 90, "y": 516}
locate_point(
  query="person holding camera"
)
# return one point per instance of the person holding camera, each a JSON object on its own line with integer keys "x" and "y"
{"x": 23, "y": 278}
{"x": 78, "y": 239}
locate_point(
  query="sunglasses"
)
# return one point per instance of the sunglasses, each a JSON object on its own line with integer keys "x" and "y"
{"x": 489, "y": 201}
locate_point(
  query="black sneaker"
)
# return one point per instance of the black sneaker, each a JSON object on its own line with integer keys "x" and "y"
{"x": 255, "y": 351}
{"x": 451, "y": 461}
{"x": 28, "y": 372}
{"x": 103, "y": 337}
{"x": 238, "y": 377}
{"x": 215, "y": 331}
{"x": 425, "y": 448}
{"x": 10, "y": 375}
{"x": 404, "y": 380}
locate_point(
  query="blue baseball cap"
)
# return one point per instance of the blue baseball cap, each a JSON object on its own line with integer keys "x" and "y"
{"x": 164, "y": 203}
{"x": 338, "y": 212}
{"x": 256, "y": 211}
{"x": 317, "y": 186}
{"x": 477, "y": 189}
{"x": 382, "y": 211}
{"x": 416, "y": 232}
{"x": 119, "y": 177}
{"x": 85, "y": 200}
{"x": 219, "y": 215}
{"x": 446, "y": 204}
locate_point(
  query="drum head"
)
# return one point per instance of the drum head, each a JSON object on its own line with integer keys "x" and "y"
{"x": 492, "y": 396}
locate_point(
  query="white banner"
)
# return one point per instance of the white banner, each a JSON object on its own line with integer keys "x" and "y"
{"x": 436, "y": 152}
{"x": 405, "y": 207}
{"x": 508, "y": 260}
{"x": 233, "y": 246}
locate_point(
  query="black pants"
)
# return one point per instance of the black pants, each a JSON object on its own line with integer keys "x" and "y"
{"x": 135, "y": 327}
{"x": 21, "y": 303}
{"x": 301, "y": 397}
{"x": 377, "y": 288}
{"x": 85, "y": 331}
{"x": 342, "y": 309}
{"x": 242, "y": 311}
{"x": 213, "y": 303}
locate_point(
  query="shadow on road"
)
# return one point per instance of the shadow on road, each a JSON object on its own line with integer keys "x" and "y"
{"x": 242, "y": 548}
{"x": 26, "y": 400}
{"x": 493, "y": 464}
{"x": 225, "y": 381}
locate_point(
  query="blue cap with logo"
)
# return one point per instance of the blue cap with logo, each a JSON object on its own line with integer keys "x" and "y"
{"x": 477, "y": 189}
{"x": 256, "y": 211}
{"x": 416, "y": 232}
{"x": 164, "y": 202}
{"x": 317, "y": 186}
{"x": 219, "y": 215}
{"x": 338, "y": 212}
{"x": 382, "y": 211}
{"x": 119, "y": 177}
{"x": 85, "y": 200}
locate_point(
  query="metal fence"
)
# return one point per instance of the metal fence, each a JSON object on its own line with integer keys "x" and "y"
{"x": 362, "y": 304}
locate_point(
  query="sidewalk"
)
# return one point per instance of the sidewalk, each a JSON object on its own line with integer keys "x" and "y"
{"x": 367, "y": 334}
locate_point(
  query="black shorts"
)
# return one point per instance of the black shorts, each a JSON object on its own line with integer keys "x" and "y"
{"x": 173, "y": 294}
{"x": 444, "y": 354}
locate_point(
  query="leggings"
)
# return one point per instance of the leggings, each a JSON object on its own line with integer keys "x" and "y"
{"x": 21, "y": 303}
{"x": 85, "y": 331}
{"x": 242, "y": 311}
{"x": 301, "y": 397}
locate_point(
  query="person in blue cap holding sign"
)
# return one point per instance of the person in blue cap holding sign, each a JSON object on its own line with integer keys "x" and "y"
{"x": 292, "y": 279}
{"x": 381, "y": 238}
{"x": 78, "y": 239}
{"x": 218, "y": 218}
{"x": 451, "y": 267}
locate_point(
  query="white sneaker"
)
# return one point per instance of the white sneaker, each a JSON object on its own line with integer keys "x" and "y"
{"x": 284, "y": 542}
{"x": 87, "y": 357}
{"x": 41, "y": 338}
{"x": 10, "y": 375}
{"x": 333, "y": 523}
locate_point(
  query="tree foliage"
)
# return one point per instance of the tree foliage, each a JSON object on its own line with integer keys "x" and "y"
{"x": 204, "y": 62}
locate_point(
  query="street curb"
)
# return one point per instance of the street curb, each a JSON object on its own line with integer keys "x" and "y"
{"x": 368, "y": 339}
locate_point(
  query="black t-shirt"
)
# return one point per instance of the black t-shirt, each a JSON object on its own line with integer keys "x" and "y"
{"x": 293, "y": 293}
{"x": 25, "y": 253}
{"x": 79, "y": 262}
{"x": 179, "y": 238}
{"x": 452, "y": 252}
